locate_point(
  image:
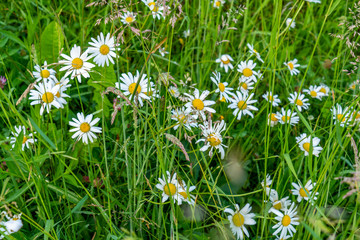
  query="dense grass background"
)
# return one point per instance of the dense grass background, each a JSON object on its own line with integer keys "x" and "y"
{"x": 120, "y": 199}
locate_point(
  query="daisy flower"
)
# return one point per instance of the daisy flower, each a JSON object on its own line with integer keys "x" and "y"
{"x": 292, "y": 65}
{"x": 186, "y": 33}
{"x": 273, "y": 99}
{"x": 353, "y": 85}
{"x": 218, "y": 3}
{"x": 12, "y": 225}
{"x": 45, "y": 94}
{"x": 307, "y": 144}
{"x": 303, "y": 193}
{"x": 245, "y": 85}
{"x": 27, "y": 138}
{"x": 170, "y": 188}
{"x": 278, "y": 204}
{"x": 184, "y": 191}
{"x": 225, "y": 94}
{"x": 43, "y": 73}
{"x": 128, "y": 17}
{"x": 225, "y": 62}
{"x": 128, "y": 86}
{"x": 324, "y": 89}
{"x": 162, "y": 51}
{"x": 287, "y": 117}
{"x": 268, "y": 182}
{"x": 84, "y": 127}
{"x": 198, "y": 103}
{"x": 174, "y": 91}
{"x": 60, "y": 95}
{"x": 242, "y": 106}
{"x": 239, "y": 218}
{"x": 212, "y": 137}
{"x": 253, "y": 51}
{"x": 286, "y": 221}
{"x": 299, "y": 100}
{"x": 355, "y": 115}
{"x": 184, "y": 117}
{"x": 290, "y": 22}
{"x": 272, "y": 119}
{"x": 103, "y": 50}
{"x": 76, "y": 64}
{"x": 246, "y": 68}
{"x": 156, "y": 9}
{"x": 315, "y": 92}
{"x": 340, "y": 115}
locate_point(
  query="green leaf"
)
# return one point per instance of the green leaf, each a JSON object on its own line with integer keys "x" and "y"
{"x": 307, "y": 125}
{"x": 52, "y": 40}
{"x": 13, "y": 37}
{"x": 290, "y": 164}
{"x": 42, "y": 134}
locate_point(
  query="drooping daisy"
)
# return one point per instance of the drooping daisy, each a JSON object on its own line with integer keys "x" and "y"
{"x": 184, "y": 191}
{"x": 340, "y": 115}
{"x": 286, "y": 221}
{"x": 128, "y": 17}
{"x": 84, "y": 128}
{"x": 304, "y": 193}
{"x": 198, "y": 103}
{"x": 27, "y": 138}
{"x": 278, "y": 204}
{"x": 103, "y": 49}
{"x": 292, "y": 65}
{"x": 290, "y": 22}
{"x": 242, "y": 106}
{"x": 307, "y": 144}
{"x": 45, "y": 94}
{"x": 272, "y": 119}
{"x": 313, "y": 1}
{"x": 245, "y": 85}
{"x": 287, "y": 117}
{"x": 184, "y": 117}
{"x": 239, "y": 218}
{"x": 324, "y": 89}
{"x": 225, "y": 62}
{"x": 174, "y": 91}
{"x": 218, "y": 3}
{"x": 12, "y": 225}
{"x": 299, "y": 100}
{"x": 155, "y": 7}
{"x": 212, "y": 137}
{"x": 273, "y": 99}
{"x": 253, "y": 51}
{"x": 315, "y": 92}
{"x": 76, "y": 64}
{"x": 247, "y": 70}
{"x": 170, "y": 188}
{"x": 266, "y": 184}
{"x": 225, "y": 92}
{"x": 43, "y": 73}
{"x": 128, "y": 85}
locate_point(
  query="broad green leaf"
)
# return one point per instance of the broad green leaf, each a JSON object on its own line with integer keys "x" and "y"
{"x": 52, "y": 40}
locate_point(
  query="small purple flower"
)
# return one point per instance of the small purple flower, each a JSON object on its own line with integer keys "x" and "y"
{"x": 2, "y": 82}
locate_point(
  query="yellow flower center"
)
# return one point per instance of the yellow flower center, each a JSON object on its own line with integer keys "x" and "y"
{"x": 104, "y": 49}
{"x": 271, "y": 98}
{"x": 132, "y": 88}
{"x": 24, "y": 140}
{"x": 213, "y": 140}
{"x": 155, "y": 7}
{"x": 356, "y": 115}
{"x": 181, "y": 117}
{"x": 286, "y": 220}
{"x": 183, "y": 194}
{"x": 48, "y": 97}
{"x": 198, "y": 104}
{"x": 313, "y": 93}
{"x": 15, "y": 219}
{"x": 323, "y": 90}
{"x": 291, "y": 65}
{"x": 299, "y": 102}
{"x": 45, "y": 73}
{"x": 129, "y": 19}
{"x": 77, "y": 63}
{"x": 306, "y": 146}
{"x": 222, "y": 99}
{"x": 238, "y": 219}
{"x": 221, "y": 87}
{"x": 341, "y": 117}
{"x": 277, "y": 206}
{"x": 85, "y": 127}
{"x": 218, "y": 3}
{"x": 57, "y": 94}
{"x": 303, "y": 193}
{"x": 353, "y": 86}
{"x": 274, "y": 118}
{"x": 170, "y": 189}
{"x": 227, "y": 61}
{"x": 244, "y": 85}
{"x": 247, "y": 72}
{"x": 242, "y": 105}
{"x": 285, "y": 119}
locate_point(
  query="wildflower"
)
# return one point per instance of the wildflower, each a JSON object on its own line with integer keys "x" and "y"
{"x": 212, "y": 137}
{"x": 218, "y": 3}
{"x": 186, "y": 33}
{"x": 242, "y": 106}
{"x": 45, "y": 94}
{"x": 245, "y": 85}
{"x": 103, "y": 50}
{"x": 273, "y": 99}
{"x": 253, "y": 51}
{"x": 340, "y": 115}
{"x": 222, "y": 87}
{"x": 170, "y": 188}
{"x": 306, "y": 142}
{"x": 3, "y": 81}
{"x": 76, "y": 64}
{"x": 184, "y": 191}
{"x": 60, "y": 95}
{"x": 272, "y": 119}
{"x": 279, "y": 205}
{"x": 287, "y": 117}
{"x": 225, "y": 62}
{"x": 162, "y": 51}
{"x": 290, "y": 22}
{"x": 129, "y": 83}
{"x": 156, "y": 9}
{"x": 315, "y": 92}
{"x": 198, "y": 103}
{"x": 353, "y": 85}
{"x": 299, "y": 100}
{"x": 239, "y": 218}
{"x": 184, "y": 117}
{"x": 286, "y": 221}
{"x": 84, "y": 127}
{"x": 174, "y": 91}
{"x": 292, "y": 65}
{"x": 43, "y": 73}
{"x": 12, "y": 225}
{"x": 128, "y": 17}
{"x": 324, "y": 89}
{"x": 27, "y": 138}
{"x": 304, "y": 193}
{"x": 313, "y": 1}
{"x": 355, "y": 116}
{"x": 246, "y": 68}
{"x": 268, "y": 182}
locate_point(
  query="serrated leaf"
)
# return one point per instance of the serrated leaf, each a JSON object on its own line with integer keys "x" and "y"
{"x": 52, "y": 40}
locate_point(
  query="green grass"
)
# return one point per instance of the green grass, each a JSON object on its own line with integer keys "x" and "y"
{"x": 46, "y": 183}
